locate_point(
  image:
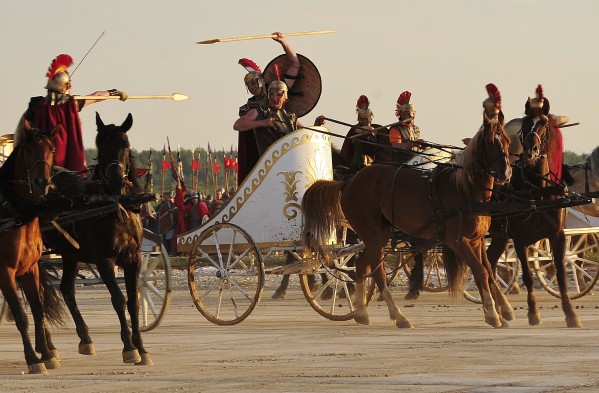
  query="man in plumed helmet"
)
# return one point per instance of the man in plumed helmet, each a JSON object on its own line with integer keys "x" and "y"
{"x": 59, "y": 107}
{"x": 537, "y": 110}
{"x": 256, "y": 86}
{"x": 269, "y": 121}
{"x": 405, "y": 135}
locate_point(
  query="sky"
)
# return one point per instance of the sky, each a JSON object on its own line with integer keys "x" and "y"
{"x": 444, "y": 52}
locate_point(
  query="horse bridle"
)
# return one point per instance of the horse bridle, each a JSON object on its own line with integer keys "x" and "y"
{"x": 534, "y": 134}
{"x": 124, "y": 179}
{"x": 37, "y": 134}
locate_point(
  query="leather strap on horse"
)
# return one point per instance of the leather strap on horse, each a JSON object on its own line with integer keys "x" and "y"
{"x": 65, "y": 234}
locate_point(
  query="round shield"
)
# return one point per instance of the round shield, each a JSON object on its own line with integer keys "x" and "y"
{"x": 305, "y": 92}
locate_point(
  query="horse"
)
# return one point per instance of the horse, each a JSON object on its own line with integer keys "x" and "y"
{"x": 105, "y": 241}
{"x": 381, "y": 197}
{"x": 531, "y": 181}
{"x": 25, "y": 180}
{"x": 587, "y": 171}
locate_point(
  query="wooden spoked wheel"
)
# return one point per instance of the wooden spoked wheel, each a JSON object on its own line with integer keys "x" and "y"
{"x": 154, "y": 285}
{"x": 435, "y": 279}
{"x": 333, "y": 298}
{"x": 225, "y": 274}
{"x": 581, "y": 261}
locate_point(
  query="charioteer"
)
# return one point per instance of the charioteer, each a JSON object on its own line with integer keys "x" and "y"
{"x": 60, "y": 107}
{"x": 405, "y": 135}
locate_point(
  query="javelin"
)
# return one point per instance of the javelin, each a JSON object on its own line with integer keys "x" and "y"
{"x": 90, "y": 49}
{"x": 257, "y": 37}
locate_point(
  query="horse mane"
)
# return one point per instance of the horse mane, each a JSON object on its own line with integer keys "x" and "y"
{"x": 467, "y": 161}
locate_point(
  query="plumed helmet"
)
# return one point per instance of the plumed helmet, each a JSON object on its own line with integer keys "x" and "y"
{"x": 278, "y": 85}
{"x": 363, "y": 108}
{"x": 492, "y": 104}
{"x": 403, "y": 104}
{"x": 59, "y": 80}
{"x": 538, "y": 102}
{"x": 254, "y": 72}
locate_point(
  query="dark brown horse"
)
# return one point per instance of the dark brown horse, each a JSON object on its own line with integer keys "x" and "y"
{"x": 531, "y": 180}
{"x": 381, "y": 197}
{"x": 25, "y": 179}
{"x": 107, "y": 240}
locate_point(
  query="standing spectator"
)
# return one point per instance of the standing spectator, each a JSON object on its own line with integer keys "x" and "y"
{"x": 167, "y": 219}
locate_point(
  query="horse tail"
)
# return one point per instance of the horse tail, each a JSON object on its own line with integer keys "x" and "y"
{"x": 52, "y": 300}
{"x": 456, "y": 271}
{"x": 321, "y": 211}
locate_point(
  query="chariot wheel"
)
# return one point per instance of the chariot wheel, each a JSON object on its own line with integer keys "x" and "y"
{"x": 507, "y": 271}
{"x": 435, "y": 279}
{"x": 333, "y": 299}
{"x": 394, "y": 262}
{"x": 225, "y": 274}
{"x": 154, "y": 285}
{"x": 581, "y": 262}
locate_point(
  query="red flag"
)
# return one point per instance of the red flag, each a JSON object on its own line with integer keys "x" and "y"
{"x": 165, "y": 165}
{"x": 194, "y": 164}
{"x": 216, "y": 167}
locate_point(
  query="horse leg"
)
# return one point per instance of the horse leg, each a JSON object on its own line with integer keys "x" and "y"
{"x": 416, "y": 282}
{"x": 558, "y": 246}
{"x": 395, "y": 314}
{"x": 9, "y": 291}
{"x": 31, "y": 288}
{"x": 503, "y": 306}
{"x": 471, "y": 255}
{"x": 67, "y": 288}
{"x": 534, "y": 316}
{"x": 106, "y": 269}
{"x": 131, "y": 272}
{"x": 362, "y": 270}
{"x": 282, "y": 289}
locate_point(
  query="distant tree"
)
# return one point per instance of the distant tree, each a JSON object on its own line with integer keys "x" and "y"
{"x": 571, "y": 158}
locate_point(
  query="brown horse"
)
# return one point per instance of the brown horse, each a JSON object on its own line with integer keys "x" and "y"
{"x": 25, "y": 179}
{"x": 381, "y": 197}
{"x": 531, "y": 181}
{"x": 107, "y": 240}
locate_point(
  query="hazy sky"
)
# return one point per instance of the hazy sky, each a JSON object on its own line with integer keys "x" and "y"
{"x": 444, "y": 52}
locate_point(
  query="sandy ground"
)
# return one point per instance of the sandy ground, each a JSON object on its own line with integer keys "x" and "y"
{"x": 285, "y": 346}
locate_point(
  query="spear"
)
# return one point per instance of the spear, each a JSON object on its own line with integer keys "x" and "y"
{"x": 149, "y": 180}
{"x": 174, "y": 97}
{"x": 198, "y": 168}
{"x": 178, "y": 179}
{"x": 257, "y": 37}
{"x": 163, "y": 168}
{"x": 193, "y": 171}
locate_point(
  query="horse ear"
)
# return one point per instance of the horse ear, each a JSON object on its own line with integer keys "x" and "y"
{"x": 127, "y": 124}
{"x": 546, "y": 107}
{"x": 99, "y": 122}
{"x": 26, "y": 125}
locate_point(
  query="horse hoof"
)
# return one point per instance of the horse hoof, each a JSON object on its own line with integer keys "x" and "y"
{"x": 362, "y": 319}
{"x": 52, "y": 364}
{"x": 37, "y": 368}
{"x": 534, "y": 319}
{"x": 507, "y": 314}
{"x": 412, "y": 295}
{"x": 327, "y": 294}
{"x": 87, "y": 349}
{"x": 405, "y": 324}
{"x": 573, "y": 323}
{"x": 146, "y": 360}
{"x": 131, "y": 356}
{"x": 55, "y": 354}
{"x": 493, "y": 321}
{"x": 278, "y": 294}
{"x": 504, "y": 323}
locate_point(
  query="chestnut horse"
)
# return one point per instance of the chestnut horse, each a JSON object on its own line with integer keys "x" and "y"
{"x": 380, "y": 197}
{"x": 107, "y": 240}
{"x": 25, "y": 179}
{"x": 531, "y": 181}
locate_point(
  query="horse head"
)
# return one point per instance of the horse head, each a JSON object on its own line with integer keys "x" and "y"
{"x": 534, "y": 140}
{"x": 487, "y": 153}
{"x": 34, "y": 160}
{"x": 116, "y": 167}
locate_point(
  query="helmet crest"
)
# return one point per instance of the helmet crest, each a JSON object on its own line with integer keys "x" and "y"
{"x": 363, "y": 103}
{"x": 60, "y": 64}
{"x": 403, "y": 102}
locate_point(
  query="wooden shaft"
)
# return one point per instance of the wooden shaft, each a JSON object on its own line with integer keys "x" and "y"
{"x": 257, "y": 37}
